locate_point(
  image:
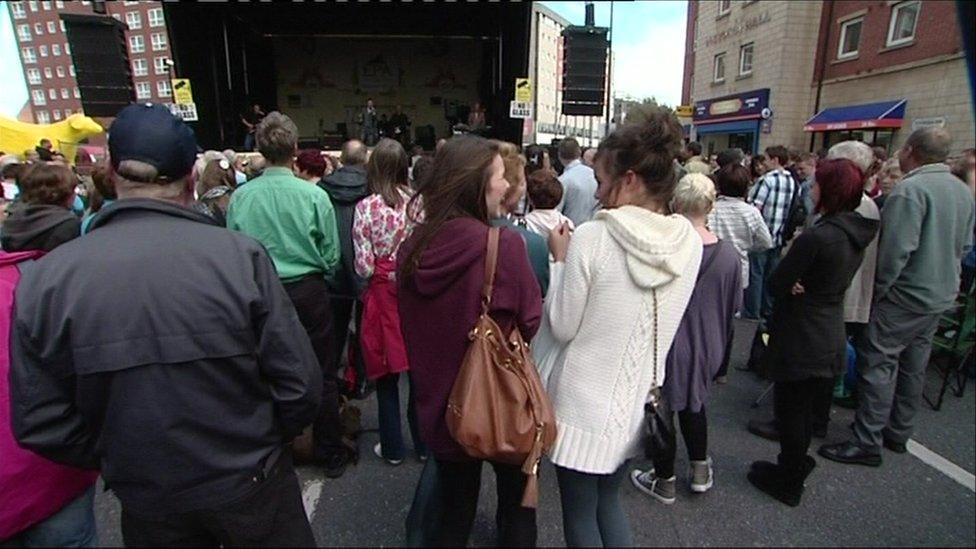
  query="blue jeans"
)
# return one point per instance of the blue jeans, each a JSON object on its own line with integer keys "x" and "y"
{"x": 388, "y": 400}
{"x": 72, "y": 526}
{"x": 759, "y": 302}
{"x": 249, "y": 142}
{"x": 592, "y": 514}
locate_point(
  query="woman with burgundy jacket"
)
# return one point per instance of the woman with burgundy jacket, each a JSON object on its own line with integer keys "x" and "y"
{"x": 441, "y": 269}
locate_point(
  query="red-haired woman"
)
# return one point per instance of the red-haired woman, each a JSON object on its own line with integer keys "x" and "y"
{"x": 807, "y": 346}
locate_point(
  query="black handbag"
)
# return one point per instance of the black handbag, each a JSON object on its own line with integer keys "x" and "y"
{"x": 658, "y": 420}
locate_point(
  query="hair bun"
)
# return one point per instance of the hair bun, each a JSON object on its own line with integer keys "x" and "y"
{"x": 660, "y": 132}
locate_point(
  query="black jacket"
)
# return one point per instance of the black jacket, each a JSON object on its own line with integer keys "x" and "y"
{"x": 163, "y": 350}
{"x": 807, "y": 337}
{"x": 38, "y": 227}
{"x": 346, "y": 187}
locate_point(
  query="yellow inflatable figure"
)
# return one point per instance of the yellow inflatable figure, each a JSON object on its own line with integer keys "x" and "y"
{"x": 17, "y": 137}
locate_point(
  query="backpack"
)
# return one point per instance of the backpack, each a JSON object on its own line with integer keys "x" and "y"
{"x": 497, "y": 409}
{"x": 798, "y": 213}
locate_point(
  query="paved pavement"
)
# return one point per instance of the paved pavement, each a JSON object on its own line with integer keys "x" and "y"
{"x": 906, "y": 502}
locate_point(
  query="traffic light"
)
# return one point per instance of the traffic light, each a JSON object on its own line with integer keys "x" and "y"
{"x": 584, "y": 83}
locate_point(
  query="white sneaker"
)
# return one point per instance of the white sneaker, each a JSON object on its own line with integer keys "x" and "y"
{"x": 378, "y": 450}
{"x": 702, "y": 476}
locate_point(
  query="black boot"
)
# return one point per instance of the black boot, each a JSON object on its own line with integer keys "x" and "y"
{"x": 784, "y": 484}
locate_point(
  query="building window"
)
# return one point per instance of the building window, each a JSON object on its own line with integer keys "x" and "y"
{"x": 24, "y": 33}
{"x": 65, "y": 94}
{"x": 130, "y": 3}
{"x": 904, "y": 16}
{"x": 33, "y": 76}
{"x": 745, "y": 59}
{"x": 38, "y": 97}
{"x": 133, "y": 19}
{"x": 163, "y": 88}
{"x": 33, "y": 5}
{"x": 47, "y": 72}
{"x": 850, "y": 38}
{"x": 38, "y": 29}
{"x": 57, "y": 114}
{"x": 17, "y": 9}
{"x": 140, "y": 67}
{"x": 158, "y": 41}
{"x": 55, "y": 49}
{"x": 59, "y": 4}
{"x": 52, "y": 27}
{"x": 724, "y": 7}
{"x": 71, "y": 70}
{"x": 60, "y": 71}
{"x": 67, "y": 113}
{"x": 52, "y": 93}
{"x": 159, "y": 64}
{"x": 42, "y": 50}
{"x": 43, "y": 117}
{"x": 718, "y": 72}
{"x": 143, "y": 91}
{"x": 156, "y": 17}
{"x": 137, "y": 44}
{"x": 46, "y": 5}
{"x": 77, "y": 92}
{"x": 28, "y": 55}
{"x": 62, "y": 25}
{"x": 67, "y": 48}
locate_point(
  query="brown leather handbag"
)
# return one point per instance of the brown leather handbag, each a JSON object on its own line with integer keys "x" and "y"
{"x": 498, "y": 410}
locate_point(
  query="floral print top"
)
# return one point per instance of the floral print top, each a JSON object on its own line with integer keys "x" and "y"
{"x": 378, "y": 230}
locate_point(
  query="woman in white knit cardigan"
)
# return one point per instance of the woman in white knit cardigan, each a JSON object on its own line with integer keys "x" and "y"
{"x": 617, "y": 294}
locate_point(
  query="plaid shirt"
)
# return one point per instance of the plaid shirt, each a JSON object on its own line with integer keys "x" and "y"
{"x": 773, "y": 195}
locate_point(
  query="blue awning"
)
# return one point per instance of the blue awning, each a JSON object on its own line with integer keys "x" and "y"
{"x": 886, "y": 114}
{"x": 739, "y": 126}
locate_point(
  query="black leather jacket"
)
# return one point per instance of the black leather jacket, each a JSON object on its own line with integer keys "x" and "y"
{"x": 163, "y": 350}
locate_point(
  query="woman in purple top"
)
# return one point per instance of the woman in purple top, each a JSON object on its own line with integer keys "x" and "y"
{"x": 699, "y": 346}
{"x": 441, "y": 272}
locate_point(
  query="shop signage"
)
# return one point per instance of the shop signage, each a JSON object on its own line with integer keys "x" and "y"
{"x": 683, "y": 111}
{"x": 741, "y": 26}
{"x": 929, "y": 122}
{"x": 740, "y": 106}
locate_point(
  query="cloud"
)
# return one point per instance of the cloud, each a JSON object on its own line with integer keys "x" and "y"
{"x": 652, "y": 66}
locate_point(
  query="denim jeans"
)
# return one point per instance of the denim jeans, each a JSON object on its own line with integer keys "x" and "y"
{"x": 758, "y": 299}
{"x": 388, "y": 400}
{"x": 72, "y": 526}
{"x": 592, "y": 513}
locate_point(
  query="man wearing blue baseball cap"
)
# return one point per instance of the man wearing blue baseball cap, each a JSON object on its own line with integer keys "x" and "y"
{"x": 163, "y": 350}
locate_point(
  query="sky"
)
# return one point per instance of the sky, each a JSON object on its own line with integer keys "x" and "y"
{"x": 648, "y": 44}
{"x": 648, "y": 41}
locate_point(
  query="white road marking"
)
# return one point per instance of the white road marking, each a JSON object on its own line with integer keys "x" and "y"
{"x": 310, "y": 497}
{"x": 942, "y": 465}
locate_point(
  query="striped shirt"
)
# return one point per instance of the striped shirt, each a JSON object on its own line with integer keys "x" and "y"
{"x": 741, "y": 225}
{"x": 773, "y": 195}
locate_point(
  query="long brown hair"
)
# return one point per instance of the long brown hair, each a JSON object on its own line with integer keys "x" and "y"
{"x": 387, "y": 171}
{"x": 456, "y": 188}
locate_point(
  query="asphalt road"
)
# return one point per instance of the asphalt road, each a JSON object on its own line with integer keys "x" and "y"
{"x": 906, "y": 502}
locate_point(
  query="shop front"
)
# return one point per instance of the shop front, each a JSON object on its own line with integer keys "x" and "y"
{"x": 872, "y": 123}
{"x": 732, "y": 121}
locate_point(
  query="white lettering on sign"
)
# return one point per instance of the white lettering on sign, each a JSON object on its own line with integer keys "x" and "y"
{"x": 740, "y": 27}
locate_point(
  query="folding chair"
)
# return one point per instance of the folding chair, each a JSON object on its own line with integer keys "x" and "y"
{"x": 952, "y": 348}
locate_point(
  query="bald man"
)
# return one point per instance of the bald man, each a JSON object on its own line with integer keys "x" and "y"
{"x": 927, "y": 221}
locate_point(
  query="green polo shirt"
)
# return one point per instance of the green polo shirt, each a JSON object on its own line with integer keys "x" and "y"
{"x": 294, "y": 220}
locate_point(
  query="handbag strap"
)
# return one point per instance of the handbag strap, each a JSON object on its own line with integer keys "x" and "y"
{"x": 491, "y": 260}
{"x": 654, "y": 386}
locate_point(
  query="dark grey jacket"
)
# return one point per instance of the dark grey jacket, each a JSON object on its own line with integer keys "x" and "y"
{"x": 346, "y": 187}
{"x": 163, "y": 350}
{"x": 807, "y": 337}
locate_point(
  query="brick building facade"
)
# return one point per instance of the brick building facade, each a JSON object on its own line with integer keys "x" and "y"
{"x": 879, "y": 51}
{"x": 46, "y": 55}
{"x": 871, "y": 70}
{"x": 748, "y": 72}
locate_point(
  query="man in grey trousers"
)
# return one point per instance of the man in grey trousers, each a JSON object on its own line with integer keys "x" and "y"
{"x": 926, "y": 222}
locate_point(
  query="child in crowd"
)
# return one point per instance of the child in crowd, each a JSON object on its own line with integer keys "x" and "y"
{"x": 545, "y": 194}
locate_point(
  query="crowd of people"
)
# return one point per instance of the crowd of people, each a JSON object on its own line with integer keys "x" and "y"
{"x": 179, "y": 334}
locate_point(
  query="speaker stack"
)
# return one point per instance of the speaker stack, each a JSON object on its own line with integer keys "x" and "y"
{"x": 101, "y": 60}
{"x": 584, "y": 83}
